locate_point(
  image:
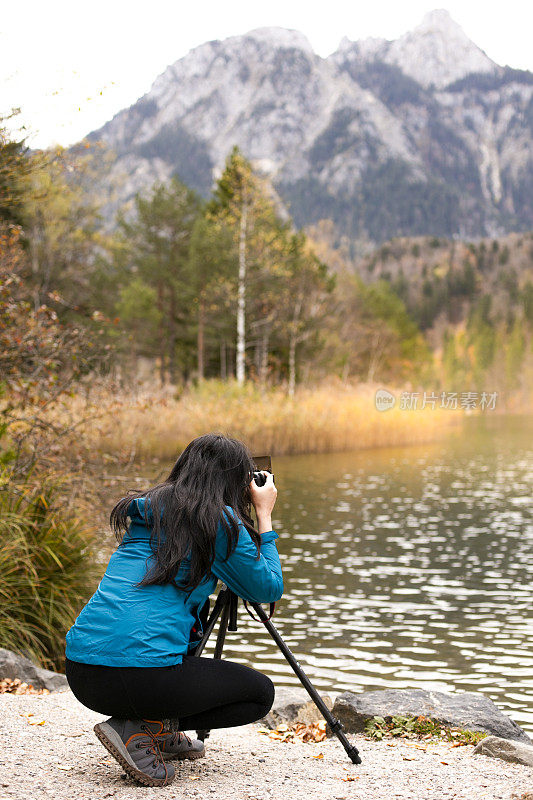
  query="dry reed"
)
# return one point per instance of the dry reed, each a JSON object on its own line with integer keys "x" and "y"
{"x": 320, "y": 420}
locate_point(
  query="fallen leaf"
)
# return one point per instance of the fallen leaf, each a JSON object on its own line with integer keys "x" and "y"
{"x": 29, "y": 714}
{"x": 16, "y": 686}
{"x": 299, "y": 731}
{"x": 444, "y": 762}
{"x": 320, "y": 755}
{"x": 194, "y": 777}
{"x": 408, "y": 758}
{"x": 350, "y": 778}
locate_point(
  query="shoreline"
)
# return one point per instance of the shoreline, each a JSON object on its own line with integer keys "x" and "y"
{"x": 157, "y": 425}
{"x": 49, "y": 750}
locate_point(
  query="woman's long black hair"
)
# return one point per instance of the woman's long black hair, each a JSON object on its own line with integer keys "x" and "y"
{"x": 214, "y": 470}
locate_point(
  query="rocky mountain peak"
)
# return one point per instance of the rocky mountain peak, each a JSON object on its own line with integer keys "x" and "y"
{"x": 372, "y": 137}
{"x": 368, "y": 47}
{"x": 440, "y": 20}
{"x": 438, "y": 51}
{"x": 280, "y": 38}
{"x": 197, "y": 64}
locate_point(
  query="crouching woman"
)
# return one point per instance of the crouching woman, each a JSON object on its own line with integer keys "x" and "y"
{"x": 130, "y": 652}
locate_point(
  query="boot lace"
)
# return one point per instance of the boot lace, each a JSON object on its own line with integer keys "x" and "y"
{"x": 177, "y": 737}
{"x": 154, "y": 748}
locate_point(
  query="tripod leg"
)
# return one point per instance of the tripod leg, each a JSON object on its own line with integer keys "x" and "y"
{"x": 333, "y": 723}
{"x": 222, "y": 630}
{"x": 211, "y": 622}
{"x": 225, "y": 607}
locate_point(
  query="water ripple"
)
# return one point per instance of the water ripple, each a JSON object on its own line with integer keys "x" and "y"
{"x": 409, "y": 567}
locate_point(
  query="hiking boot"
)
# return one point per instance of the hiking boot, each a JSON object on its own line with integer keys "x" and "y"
{"x": 134, "y": 744}
{"x": 177, "y": 744}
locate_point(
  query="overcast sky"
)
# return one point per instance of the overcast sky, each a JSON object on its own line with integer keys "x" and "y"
{"x": 71, "y": 66}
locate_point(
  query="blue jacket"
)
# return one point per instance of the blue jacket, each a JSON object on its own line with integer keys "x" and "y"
{"x": 151, "y": 626}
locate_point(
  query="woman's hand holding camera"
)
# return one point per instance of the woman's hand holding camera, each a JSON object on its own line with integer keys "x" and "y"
{"x": 264, "y": 499}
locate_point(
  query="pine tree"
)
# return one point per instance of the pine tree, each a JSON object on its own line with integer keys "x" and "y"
{"x": 156, "y": 249}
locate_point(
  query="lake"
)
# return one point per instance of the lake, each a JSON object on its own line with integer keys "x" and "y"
{"x": 407, "y": 567}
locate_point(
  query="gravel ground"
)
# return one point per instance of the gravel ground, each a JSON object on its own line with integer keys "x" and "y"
{"x": 48, "y": 749}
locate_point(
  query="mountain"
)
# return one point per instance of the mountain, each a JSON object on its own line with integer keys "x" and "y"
{"x": 424, "y": 135}
{"x": 436, "y": 53}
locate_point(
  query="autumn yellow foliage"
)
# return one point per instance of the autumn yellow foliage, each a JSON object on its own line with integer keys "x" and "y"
{"x": 159, "y": 425}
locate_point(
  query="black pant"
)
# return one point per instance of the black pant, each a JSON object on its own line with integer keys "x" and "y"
{"x": 203, "y": 693}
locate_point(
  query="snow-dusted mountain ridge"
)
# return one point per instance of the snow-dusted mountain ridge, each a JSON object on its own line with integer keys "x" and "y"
{"x": 437, "y": 52}
{"x": 424, "y": 134}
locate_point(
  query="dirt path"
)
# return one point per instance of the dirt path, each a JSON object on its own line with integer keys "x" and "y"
{"x": 61, "y": 758}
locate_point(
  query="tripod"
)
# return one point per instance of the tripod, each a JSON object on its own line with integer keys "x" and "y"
{"x": 226, "y": 607}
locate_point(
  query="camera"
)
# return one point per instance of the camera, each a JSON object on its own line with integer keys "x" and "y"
{"x": 260, "y": 478}
{"x": 261, "y": 463}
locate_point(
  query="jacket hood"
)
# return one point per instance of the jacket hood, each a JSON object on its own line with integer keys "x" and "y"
{"x": 138, "y": 507}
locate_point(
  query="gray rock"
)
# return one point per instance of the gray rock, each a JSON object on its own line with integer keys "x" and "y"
{"x": 293, "y": 705}
{"x": 469, "y": 710}
{"x": 515, "y": 752}
{"x": 14, "y": 666}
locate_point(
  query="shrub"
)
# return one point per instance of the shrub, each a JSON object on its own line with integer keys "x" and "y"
{"x": 420, "y": 727}
{"x": 47, "y": 571}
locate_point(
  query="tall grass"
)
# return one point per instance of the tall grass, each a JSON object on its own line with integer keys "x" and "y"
{"x": 48, "y": 560}
{"x": 321, "y": 420}
{"x": 47, "y": 570}
{"x": 48, "y": 563}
